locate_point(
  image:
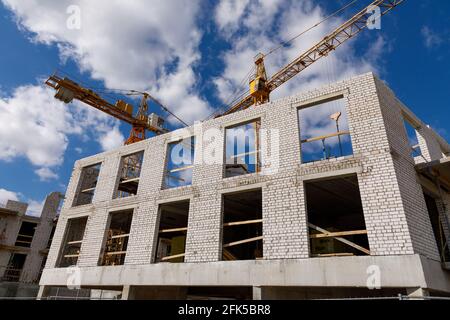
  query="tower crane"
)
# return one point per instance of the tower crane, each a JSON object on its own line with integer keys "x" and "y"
{"x": 261, "y": 86}
{"x": 68, "y": 90}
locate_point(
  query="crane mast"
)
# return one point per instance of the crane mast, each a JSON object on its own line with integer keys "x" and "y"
{"x": 260, "y": 87}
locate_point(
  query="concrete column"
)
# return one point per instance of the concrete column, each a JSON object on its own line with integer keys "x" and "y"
{"x": 127, "y": 293}
{"x": 429, "y": 146}
{"x": 417, "y": 292}
{"x": 43, "y": 292}
{"x": 257, "y": 293}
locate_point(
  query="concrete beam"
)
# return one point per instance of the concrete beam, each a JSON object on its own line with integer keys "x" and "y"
{"x": 395, "y": 271}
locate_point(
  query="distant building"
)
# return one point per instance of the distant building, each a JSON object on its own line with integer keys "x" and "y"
{"x": 24, "y": 244}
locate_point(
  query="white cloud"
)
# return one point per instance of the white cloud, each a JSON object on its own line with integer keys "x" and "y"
{"x": 431, "y": 39}
{"x": 35, "y": 208}
{"x": 37, "y": 127}
{"x": 265, "y": 29}
{"x": 46, "y": 174}
{"x": 229, "y": 12}
{"x": 6, "y": 195}
{"x": 136, "y": 44}
{"x": 78, "y": 150}
{"x": 111, "y": 139}
{"x": 33, "y": 124}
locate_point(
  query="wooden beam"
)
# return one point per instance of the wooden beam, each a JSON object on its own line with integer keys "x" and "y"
{"x": 129, "y": 180}
{"x": 227, "y": 255}
{"x": 120, "y": 236}
{"x": 75, "y": 242}
{"x": 333, "y": 255}
{"x": 337, "y": 234}
{"x": 236, "y": 243}
{"x": 173, "y": 230}
{"x": 71, "y": 256}
{"x": 347, "y": 242}
{"x": 340, "y": 133}
{"x": 88, "y": 190}
{"x": 244, "y": 154}
{"x": 115, "y": 253}
{"x": 173, "y": 257}
{"x": 20, "y": 241}
{"x": 238, "y": 223}
{"x": 24, "y": 235}
{"x": 181, "y": 169}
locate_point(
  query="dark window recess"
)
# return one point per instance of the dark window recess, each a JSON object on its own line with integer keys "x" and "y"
{"x": 44, "y": 261}
{"x": 242, "y": 150}
{"x": 129, "y": 174}
{"x": 87, "y": 185}
{"x": 72, "y": 242}
{"x": 335, "y": 218}
{"x": 242, "y": 226}
{"x": 413, "y": 141}
{"x": 172, "y": 232}
{"x": 117, "y": 235}
{"x": 50, "y": 239}
{"x": 324, "y": 131}
{"x": 26, "y": 233}
{"x": 14, "y": 268}
{"x": 180, "y": 163}
{"x": 437, "y": 223}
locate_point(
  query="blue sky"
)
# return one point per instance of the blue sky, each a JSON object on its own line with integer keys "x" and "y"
{"x": 191, "y": 55}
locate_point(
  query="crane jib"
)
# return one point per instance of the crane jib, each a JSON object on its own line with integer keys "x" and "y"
{"x": 344, "y": 32}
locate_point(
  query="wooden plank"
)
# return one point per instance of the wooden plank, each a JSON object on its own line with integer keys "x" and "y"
{"x": 25, "y": 236}
{"x": 75, "y": 242}
{"x": 333, "y": 255}
{"x": 20, "y": 241}
{"x": 120, "y": 236}
{"x": 340, "y": 133}
{"x": 71, "y": 256}
{"x": 337, "y": 234}
{"x": 238, "y": 223}
{"x": 116, "y": 253}
{"x": 347, "y": 242}
{"x": 130, "y": 180}
{"x": 173, "y": 257}
{"x": 88, "y": 190}
{"x": 181, "y": 169}
{"x": 236, "y": 243}
{"x": 172, "y": 230}
{"x": 244, "y": 154}
{"x": 228, "y": 256}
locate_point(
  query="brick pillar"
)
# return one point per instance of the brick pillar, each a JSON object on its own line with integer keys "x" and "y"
{"x": 411, "y": 194}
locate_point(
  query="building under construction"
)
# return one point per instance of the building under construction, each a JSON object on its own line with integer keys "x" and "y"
{"x": 24, "y": 244}
{"x": 359, "y": 208}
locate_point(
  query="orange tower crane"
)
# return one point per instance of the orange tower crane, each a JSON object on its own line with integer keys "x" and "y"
{"x": 68, "y": 90}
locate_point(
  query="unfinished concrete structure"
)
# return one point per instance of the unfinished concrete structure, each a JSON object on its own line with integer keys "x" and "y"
{"x": 24, "y": 245}
{"x": 301, "y": 221}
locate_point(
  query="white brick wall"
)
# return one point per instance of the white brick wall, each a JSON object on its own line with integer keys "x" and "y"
{"x": 393, "y": 205}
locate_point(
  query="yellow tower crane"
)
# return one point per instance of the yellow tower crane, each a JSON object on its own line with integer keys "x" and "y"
{"x": 261, "y": 86}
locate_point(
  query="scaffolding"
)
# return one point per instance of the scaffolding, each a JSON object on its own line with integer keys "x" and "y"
{"x": 129, "y": 175}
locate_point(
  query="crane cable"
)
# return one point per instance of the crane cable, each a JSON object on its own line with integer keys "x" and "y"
{"x": 133, "y": 92}
{"x": 282, "y": 44}
{"x": 234, "y": 96}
